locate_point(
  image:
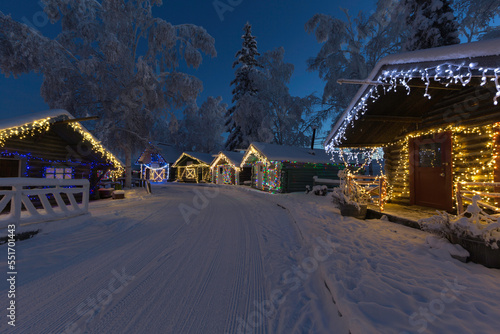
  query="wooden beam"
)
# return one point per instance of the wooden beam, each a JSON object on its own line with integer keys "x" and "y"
{"x": 73, "y": 120}
{"x": 395, "y": 119}
{"x": 378, "y": 83}
{"x": 349, "y": 145}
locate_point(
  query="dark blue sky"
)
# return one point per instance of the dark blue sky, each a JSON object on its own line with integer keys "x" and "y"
{"x": 275, "y": 23}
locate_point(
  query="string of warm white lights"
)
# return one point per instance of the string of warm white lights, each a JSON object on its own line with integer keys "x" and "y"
{"x": 43, "y": 125}
{"x": 479, "y": 166}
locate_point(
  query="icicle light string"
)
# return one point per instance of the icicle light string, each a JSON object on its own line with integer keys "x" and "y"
{"x": 350, "y": 156}
{"x": 444, "y": 74}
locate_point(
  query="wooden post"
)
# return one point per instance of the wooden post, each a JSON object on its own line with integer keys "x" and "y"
{"x": 16, "y": 204}
{"x": 85, "y": 198}
{"x": 458, "y": 195}
{"x": 381, "y": 191}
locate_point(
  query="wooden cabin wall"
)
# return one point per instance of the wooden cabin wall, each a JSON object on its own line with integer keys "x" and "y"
{"x": 471, "y": 152}
{"x": 470, "y": 106}
{"x": 37, "y": 152}
{"x": 397, "y": 177}
{"x": 172, "y": 173}
{"x": 295, "y": 178}
{"x": 48, "y": 146}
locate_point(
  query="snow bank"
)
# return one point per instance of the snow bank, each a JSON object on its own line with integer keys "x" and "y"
{"x": 392, "y": 279}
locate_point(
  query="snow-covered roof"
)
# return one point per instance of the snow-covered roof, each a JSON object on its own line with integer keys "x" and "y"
{"x": 206, "y": 158}
{"x": 53, "y": 114}
{"x": 11, "y": 127}
{"x": 458, "y": 51}
{"x": 274, "y": 152}
{"x": 234, "y": 157}
{"x": 459, "y": 54}
{"x": 168, "y": 152}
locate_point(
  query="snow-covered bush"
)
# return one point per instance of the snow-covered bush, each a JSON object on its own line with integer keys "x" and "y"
{"x": 476, "y": 225}
{"x": 349, "y": 193}
{"x": 317, "y": 190}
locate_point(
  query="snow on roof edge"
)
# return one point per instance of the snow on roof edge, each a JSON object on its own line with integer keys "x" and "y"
{"x": 14, "y": 122}
{"x": 458, "y": 51}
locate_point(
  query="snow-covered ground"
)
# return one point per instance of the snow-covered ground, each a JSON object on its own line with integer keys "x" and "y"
{"x": 222, "y": 259}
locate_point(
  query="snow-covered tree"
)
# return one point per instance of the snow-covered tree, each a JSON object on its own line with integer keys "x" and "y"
{"x": 113, "y": 59}
{"x": 240, "y": 131}
{"x": 475, "y": 18}
{"x": 431, "y": 23}
{"x": 201, "y": 128}
{"x": 351, "y": 48}
{"x": 290, "y": 118}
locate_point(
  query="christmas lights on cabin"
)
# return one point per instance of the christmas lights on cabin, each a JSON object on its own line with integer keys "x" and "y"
{"x": 360, "y": 157}
{"x": 28, "y": 158}
{"x": 445, "y": 74}
{"x": 97, "y": 147}
{"x": 43, "y": 125}
{"x": 481, "y": 168}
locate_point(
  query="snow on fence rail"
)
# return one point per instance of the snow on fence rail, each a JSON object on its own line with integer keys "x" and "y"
{"x": 466, "y": 194}
{"x": 24, "y": 192}
{"x": 374, "y": 186}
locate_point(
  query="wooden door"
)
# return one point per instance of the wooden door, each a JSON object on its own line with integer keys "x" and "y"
{"x": 220, "y": 175}
{"x": 260, "y": 175}
{"x": 431, "y": 171}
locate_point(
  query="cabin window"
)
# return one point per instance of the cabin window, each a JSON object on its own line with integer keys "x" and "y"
{"x": 10, "y": 167}
{"x": 430, "y": 155}
{"x": 58, "y": 173}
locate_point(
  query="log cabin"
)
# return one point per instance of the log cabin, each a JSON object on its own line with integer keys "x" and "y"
{"x": 193, "y": 167}
{"x": 226, "y": 169}
{"x": 284, "y": 169}
{"x": 435, "y": 113}
{"x": 53, "y": 144}
{"x": 156, "y": 162}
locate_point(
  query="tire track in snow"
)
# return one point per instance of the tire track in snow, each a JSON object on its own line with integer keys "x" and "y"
{"x": 101, "y": 271}
{"x": 188, "y": 278}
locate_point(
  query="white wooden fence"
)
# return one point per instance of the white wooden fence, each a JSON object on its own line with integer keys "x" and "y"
{"x": 17, "y": 191}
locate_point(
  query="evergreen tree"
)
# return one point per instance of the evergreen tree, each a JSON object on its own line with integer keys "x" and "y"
{"x": 243, "y": 86}
{"x": 431, "y": 24}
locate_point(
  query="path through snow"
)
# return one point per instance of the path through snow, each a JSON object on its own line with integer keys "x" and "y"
{"x": 138, "y": 266}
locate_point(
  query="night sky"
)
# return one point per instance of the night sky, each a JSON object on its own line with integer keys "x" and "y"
{"x": 274, "y": 23}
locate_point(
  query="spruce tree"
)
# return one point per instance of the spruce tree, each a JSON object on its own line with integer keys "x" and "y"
{"x": 244, "y": 85}
{"x": 431, "y": 23}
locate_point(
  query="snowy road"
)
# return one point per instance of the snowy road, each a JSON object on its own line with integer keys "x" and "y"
{"x": 189, "y": 259}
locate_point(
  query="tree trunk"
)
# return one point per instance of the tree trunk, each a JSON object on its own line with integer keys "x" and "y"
{"x": 128, "y": 168}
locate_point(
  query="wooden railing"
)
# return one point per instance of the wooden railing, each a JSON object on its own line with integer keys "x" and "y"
{"x": 23, "y": 192}
{"x": 463, "y": 192}
{"x": 374, "y": 186}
